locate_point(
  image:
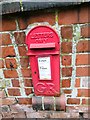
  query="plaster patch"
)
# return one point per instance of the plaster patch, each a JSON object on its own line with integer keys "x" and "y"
{"x": 76, "y": 34}
{"x": 19, "y": 65}
{"x": 85, "y": 82}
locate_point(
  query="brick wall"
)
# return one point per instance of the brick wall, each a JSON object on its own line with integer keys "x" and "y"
{"x": 72, "y": 25}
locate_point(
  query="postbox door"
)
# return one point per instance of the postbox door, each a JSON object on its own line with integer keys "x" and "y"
{"x": 45, "y": 75}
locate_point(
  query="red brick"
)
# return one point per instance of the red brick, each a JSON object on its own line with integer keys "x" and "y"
{"x": 66, "y": 47}
{"x": 66, "y": 83}
{"x": 0, "y": 39}
{"x": 28, "y": 91}
{"x": 42, "y": 17}
{"x": 8, "y": 24}
{"x": 88, "y": 101}
{"x": 66, "y": 32}
{"x": 66, "y": 72}
{"x": 14, "y": 92}
{"x": 1, "y": 64}
{"x": 83, "y": 46}
{"x": 85, "y": 101}
{"x": 8, "y": 51}
{"x": 67, "y": 91}
{"x": 15, "y": 83}
{"x": 82, "y": 59}
{"x": 83, "y": 92}
{"x": 0, "y": 52}
{"x": 25, "y": 100}
{"x": 85, "y": 31}
{"x": 22, "y": 22}
{"x": 68, "y": 16}
{"x": 11, "y": 63}
{"x": 24, "y": 62}
{"x": 66, "y": 60}
{"x": 84, "y": 14}
{"x": 83, "y": 71}
{"x": 77, "y": 82}
{"x": 5, "y": 39}
{"x": 73, "y": 101}
{"x": 22, "y": 50}
{"x": 26, "y": 72}
{"x": 19, "y": 37}
{"x": 27, "y": 83}
{"x": 10, "y": 73}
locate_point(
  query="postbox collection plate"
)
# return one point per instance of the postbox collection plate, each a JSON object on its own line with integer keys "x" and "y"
{"x": 44, "y": 66}
{"x": 44, "y": 52}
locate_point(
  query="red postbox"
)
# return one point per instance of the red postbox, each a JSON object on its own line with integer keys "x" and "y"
{"x": 44, "y": 52}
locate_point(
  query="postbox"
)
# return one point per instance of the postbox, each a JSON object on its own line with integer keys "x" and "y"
{"x": 44, "y": 53}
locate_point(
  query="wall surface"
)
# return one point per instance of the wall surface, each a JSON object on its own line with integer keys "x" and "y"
{"x": 72, "y": 25}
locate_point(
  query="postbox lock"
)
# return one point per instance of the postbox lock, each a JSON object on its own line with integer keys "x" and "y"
{"x": 35, "y": 72}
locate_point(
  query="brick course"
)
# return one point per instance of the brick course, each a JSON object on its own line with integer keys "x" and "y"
{"x": 67, "y": 91}
{"x": 22, "y": 22}
{"x": 28, "y": 91}
{"x": 66, "y": 72}
{"x": 83, "y": 59}
{"x": 8, "y": 24}
{"x": 73, "y": 101}
{"x": 11, "y": 63}
{"x": 15, "y": 83}
{"x": 22, "y": 50}
{"x": 83, "y": 92}
{"x": 66, "y": 60}
{"x": 25, "y": 100}
{"x": 14, "y": 92}
{"x": 8, "y": 52}
{"x": 5, "y": 39}
{"x": 26, "y": 72}
{"x": 19, "y": 37}
{"x": 24, "y": 62}
{"x": 85, "y": 31}
{"x": 68, "y": 16}
{"x": 83, "y": 71}
{"x": 83, "y": 46}
{"x": 41, "y": 17}
{"x": 66, "y": 32}
{"x": 77, "y": 82}
{"x": 27, "y": 82}
{"x": 66, "y": 47}
{"x": 66, "y": 83}
{"x": 84, "y": 11}
{"x": 1, "y": 64}
{"x": 10, "y": 73}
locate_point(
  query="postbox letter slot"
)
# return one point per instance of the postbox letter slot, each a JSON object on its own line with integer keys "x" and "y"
{"x": 42, "y": 45}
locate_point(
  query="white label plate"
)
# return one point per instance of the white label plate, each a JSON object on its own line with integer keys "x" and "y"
{"x": 44, "y": 68}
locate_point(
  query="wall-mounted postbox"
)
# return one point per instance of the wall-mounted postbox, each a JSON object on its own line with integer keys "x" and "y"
{"x": 44, "y": 53}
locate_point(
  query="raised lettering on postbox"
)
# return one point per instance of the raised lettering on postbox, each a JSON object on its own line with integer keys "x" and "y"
{"x": 45, "y": 87}
{"x": 41, "y": 36}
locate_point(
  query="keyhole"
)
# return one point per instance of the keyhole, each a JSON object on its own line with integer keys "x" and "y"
{"x": 35, "y": 72}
